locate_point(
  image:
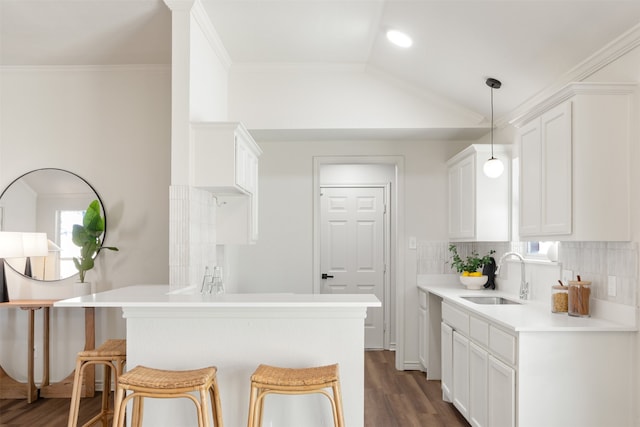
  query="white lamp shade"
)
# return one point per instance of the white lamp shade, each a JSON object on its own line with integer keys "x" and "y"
{"x": 14, "y": 244}
{"x": 493, "y": 168}
{"x": 35, "y": 244}
{"x": 11, "y": 244}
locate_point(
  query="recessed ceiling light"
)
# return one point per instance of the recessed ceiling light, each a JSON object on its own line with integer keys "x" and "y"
{"x": 399, "y": 38}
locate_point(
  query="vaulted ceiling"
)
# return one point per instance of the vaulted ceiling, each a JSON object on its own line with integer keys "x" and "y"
{"x": 457, "y": 44}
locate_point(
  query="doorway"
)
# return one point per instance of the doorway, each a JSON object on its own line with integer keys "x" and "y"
{"x": 369, "y": 171}
{"x": 354, "y": 248}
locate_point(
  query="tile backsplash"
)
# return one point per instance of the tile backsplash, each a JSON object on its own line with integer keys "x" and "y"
{"x": 594, "y": 261}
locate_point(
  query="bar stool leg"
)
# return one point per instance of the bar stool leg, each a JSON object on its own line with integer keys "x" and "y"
{"x": 118, "y": 410}
{"x": 216, "y": 406}
{"x": 75, "y": 396}
{"x": 337, "y": 397}
{"x": 106, "y": 391}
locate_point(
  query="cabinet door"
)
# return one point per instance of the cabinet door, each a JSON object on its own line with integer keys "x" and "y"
{"x": 530, "y": 175}
{"x": 446, "y": 338}
{"x": 242, "y": 163}
{"x": 467, "y": 197}
{"x": 502, "y": 394}
{"x": 555, "y": 128}
{"x": 422, "y": 337}
{"x": 461, "y": 373}
{"x": 454, "y": 201}
{"x": 478, "y": 385}
{"x": 462, "y": 206}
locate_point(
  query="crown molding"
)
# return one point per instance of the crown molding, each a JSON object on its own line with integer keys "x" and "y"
{"x": 569, "y": 91}
{"x": 202, "y": 18}
{"x": 91, "y": 68}
{"x": 596, "y": 62}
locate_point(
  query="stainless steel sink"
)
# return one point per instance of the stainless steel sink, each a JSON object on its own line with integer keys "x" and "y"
{"x": 490, "y": 300}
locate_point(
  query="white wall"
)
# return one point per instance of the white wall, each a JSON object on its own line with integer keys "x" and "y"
{"x": 282, "y": 260}
{"x": 110, "y": 126}
{"x": 335, "y": 97}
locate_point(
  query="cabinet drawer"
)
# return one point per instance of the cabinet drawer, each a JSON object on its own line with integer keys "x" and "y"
{"x": 479, "y": 331}
{"x": 455, "y": 318}
{"x": 502, "y": 345}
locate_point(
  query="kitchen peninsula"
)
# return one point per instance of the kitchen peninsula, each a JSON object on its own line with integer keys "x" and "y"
{"x": 184, "y": 329}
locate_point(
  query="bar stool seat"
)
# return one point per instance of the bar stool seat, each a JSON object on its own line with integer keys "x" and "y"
{"x": 143, "y": 382}
{"x": 112, "y": 354}
{"x": 270, "y": 379}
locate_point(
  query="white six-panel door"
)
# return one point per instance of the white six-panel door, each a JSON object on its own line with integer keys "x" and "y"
{"x": 352, "y": 249}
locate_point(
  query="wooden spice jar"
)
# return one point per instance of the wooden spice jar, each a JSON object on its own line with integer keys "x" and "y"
{"x": 579, "y": 294}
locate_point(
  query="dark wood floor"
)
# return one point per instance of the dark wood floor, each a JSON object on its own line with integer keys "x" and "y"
{"x": 403, "y": 398}
{"x": 392, "y": 399}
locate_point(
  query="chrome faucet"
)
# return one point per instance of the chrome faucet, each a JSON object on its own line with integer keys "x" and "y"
{"x": 524, "y": 286}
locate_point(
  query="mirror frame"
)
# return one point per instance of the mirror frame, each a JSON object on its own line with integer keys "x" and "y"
{"x": 97, "y": 197}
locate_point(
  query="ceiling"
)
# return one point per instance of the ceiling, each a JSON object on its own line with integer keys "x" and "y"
{"x": 527, "y": 45}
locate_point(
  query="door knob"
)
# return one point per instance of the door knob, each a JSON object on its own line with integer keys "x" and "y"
{"x": 326, "y": 276}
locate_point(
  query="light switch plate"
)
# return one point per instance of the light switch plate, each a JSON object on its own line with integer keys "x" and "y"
{"x": 612, "y": 288}
{"x": 412, "y": 242}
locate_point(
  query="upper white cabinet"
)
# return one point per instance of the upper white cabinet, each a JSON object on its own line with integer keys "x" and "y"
{"x": 545, "y": 174}
{"x": 575, "y": 164}
{"x": 479, "y": 205}
{"x": 225, "y": 159}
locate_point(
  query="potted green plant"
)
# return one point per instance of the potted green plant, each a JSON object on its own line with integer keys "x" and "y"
{"x": 88, "y": 237}
{"x": 468, "y": 267}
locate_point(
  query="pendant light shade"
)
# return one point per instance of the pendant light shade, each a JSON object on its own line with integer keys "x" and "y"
{"x": 493, "y": 167}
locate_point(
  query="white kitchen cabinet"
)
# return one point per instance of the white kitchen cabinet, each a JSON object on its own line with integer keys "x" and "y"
{"x": 533, "y": 368}
{"x": 479, "y": 205}
{"x": 575, "y": 164}
{"x": 225, "y": 162}
{"x": 502, "y": 398}
{"x": 478, "y": 385}
{"x": 446, "y": 334}
{"x": 423, "y": 326}
{"x": 482, "y": 359}
{"x": 460, "y": 364}
{"x": 545, "y": 174}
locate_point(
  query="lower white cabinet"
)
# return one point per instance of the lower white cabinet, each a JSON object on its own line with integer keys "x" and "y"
{"x": 423, "y": 325}
{"x": 460, "y": 364}
{"x": 502, "y": 396}
{"x": 478, "y": 385}
{"x": 497, "y": 377}
{"x": 478, "y": 378}
{"x": 446, "y": 334}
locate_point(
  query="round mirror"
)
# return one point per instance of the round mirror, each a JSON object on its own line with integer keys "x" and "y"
{"x": 47, "y": 201}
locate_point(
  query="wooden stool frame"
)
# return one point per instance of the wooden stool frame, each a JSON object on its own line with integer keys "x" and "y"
{"x": 260, "y": 389}
{"x": 164, "y": 390}
{"x": 112, "y": 355}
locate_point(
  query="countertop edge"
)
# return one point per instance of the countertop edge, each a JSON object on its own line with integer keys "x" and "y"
{"x": 158, "y": 296}
{"x": 529, "y": 316}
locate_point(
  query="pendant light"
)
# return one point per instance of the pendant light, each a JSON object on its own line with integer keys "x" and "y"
{"x": 493, "y": 167}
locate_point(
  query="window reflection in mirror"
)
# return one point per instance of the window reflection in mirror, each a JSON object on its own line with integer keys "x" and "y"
{"x": 47, "y": 201}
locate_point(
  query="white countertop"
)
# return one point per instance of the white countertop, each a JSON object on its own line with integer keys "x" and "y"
{"x": 159, "y": 296}
{"x": 529, "y": 316}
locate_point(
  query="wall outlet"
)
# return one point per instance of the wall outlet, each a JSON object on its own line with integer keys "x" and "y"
{"x": 612, "y": 288}
{"x": 566, "y": 276}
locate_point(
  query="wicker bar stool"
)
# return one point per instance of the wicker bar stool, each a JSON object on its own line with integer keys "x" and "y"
{"x": 112, "y": 354}
{"x": 143, "y": 382}
{"x": 269, "y": 379}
